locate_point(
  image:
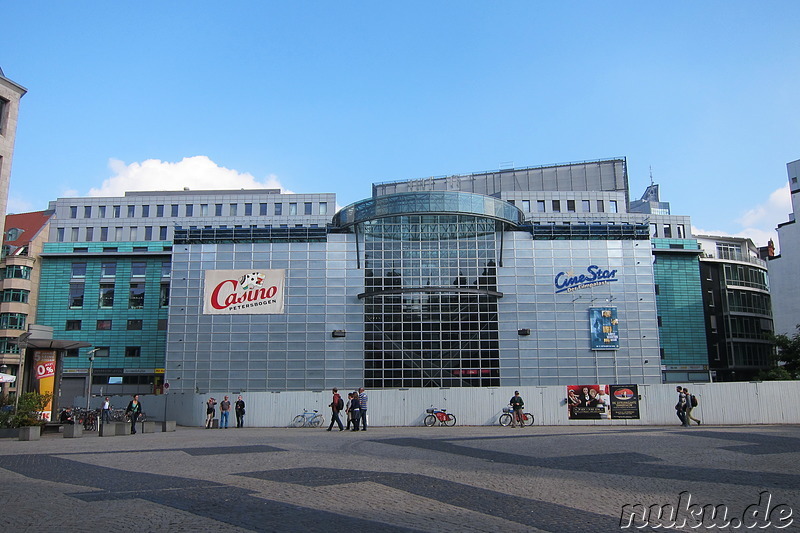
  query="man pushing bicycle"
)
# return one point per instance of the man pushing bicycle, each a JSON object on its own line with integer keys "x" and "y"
{"x": 517, "y": 416}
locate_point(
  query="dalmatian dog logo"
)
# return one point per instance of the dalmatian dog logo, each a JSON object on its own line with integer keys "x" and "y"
{"x": 251, "y": 280}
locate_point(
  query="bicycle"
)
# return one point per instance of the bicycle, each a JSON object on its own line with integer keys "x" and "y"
{"x": 441, "y": 415}
{"x": 507, "y": 417}
{"x": 311, "y": 419}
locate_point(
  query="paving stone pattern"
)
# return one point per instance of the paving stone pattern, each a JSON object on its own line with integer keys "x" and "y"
{"x": 461, "y": 479}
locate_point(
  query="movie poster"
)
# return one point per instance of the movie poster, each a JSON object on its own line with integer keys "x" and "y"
{"x": 605, "y": 328}
{"x": 588, "y": 402}
{"x": 624, "y": 402}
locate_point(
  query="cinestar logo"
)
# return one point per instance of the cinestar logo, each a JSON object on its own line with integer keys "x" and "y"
{"x": 594, "y": 276}
{"x": 685, "y": 514}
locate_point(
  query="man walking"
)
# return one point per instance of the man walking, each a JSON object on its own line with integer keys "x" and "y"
{"x": 336, "y": 406}
{"x": 691, "y": 403}
{"x": 224, "y": 413}
{"x": 680, "y": 407}
{"x": 517, "y": 415}
{"x": 362, "y": 400}
{"x": 105, "y": 412}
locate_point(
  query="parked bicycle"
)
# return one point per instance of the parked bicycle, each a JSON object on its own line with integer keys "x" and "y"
{"x": 441, "y": 415}
{"x": 508, "y": 413}
{"x": 309, "y": 419}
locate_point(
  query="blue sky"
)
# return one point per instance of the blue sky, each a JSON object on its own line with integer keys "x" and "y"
{"x": 333, "y": 96}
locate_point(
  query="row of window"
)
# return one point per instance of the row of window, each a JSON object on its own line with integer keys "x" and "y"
{"x": 136, "y": 293}
{"x": 14, "y": 295}
{"x": 134, "y": 233}
{"x": 108, "y": 269}
{"x": 568, "y": 206}
{"x": 666, "y": 231}
{"x": 105, "y": 351}
{"x": 16, "y": 272}
{"x": 231, "y": 210}
{"x": 106, "y": 325}
{"x": 13, "y": 320}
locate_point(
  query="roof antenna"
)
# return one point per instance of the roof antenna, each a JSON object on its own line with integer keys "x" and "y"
{"x": 651, "y": 174}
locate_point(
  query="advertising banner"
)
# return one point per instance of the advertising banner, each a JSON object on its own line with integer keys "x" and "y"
{"x": 624, "y": 402}
{"x": 44, "y": 368}
{"x": 588, "y": 402}
{"x": 605, "y": 328}
{"x": 243, "y": 292}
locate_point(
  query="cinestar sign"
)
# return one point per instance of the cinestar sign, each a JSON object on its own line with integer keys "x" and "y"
{"x": 243, "y": 292}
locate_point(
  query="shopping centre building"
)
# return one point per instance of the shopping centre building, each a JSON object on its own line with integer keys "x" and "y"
{"x": 536, "y": 276}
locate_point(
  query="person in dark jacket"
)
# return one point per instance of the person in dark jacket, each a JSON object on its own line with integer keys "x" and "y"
{"x": 335, "y": 408}
{"x": 134, "y": 410}
{"x": 239, "y": 407}
{"x": 355, "y": 410}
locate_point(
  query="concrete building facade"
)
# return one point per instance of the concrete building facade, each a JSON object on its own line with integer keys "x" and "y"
{"x": 784, "y": 268}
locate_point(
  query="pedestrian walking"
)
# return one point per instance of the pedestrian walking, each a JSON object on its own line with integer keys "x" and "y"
{"x": 336, "y": 405}
{"x": 239, "y": 406}
{"x": 134, "y": 409}
{"x": 691, "y": 403}
{"x": 355, "y": 410}
{"x": 210, "y": 412}
{"x": 105, "y": 411}
{"x": 362, "y": 401}
{"x": 680, "y": 407}
{"x": 224, "y": 413}
{"x": 348, "y": 410}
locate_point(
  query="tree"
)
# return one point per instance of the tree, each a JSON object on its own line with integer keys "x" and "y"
{"x": 787, "y": 359}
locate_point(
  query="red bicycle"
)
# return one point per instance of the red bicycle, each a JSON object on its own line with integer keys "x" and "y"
{"x": 441, "y": 415}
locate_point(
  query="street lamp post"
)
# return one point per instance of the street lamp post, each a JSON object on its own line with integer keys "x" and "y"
{"x": 89, "y": 385}
{"x": 4, "y": 369}
{"x": 22, "y": 343}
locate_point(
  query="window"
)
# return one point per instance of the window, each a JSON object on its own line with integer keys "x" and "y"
{"x": 139, "y": 249}
{"x": 131, "y": 211}
{"x": 162, "y": 233}
{"x": 73, "y": 211}
{"x": 600, "y": 206}
{"x": 74, "y": 234}
{"x": 262, "y": 209}
{"x": 232, "y": 209}
{"x": 102, "y": 210}
{"x": 248, "y": 210}
{"x": 89, "y": 234}
{"x": 134, "y": 233}
{"x": 160, "y": 210}
{"x": 217, "y": 210}
{"x": 138, "y": 269}
{"x": 658, "y": 319}
{"x": 162, "y": 324}
{"x": 15, "y": 295}
{"x": 586, "y": 206}
{"x": 710, "y": 298}
{"x": 292, "y": 209}
{"x": 279, "y": 209}
{"x": 118, "y": 233}
{"x": 108, "y": 270}
{"x": 106, "y": 295}
{"x": 72, "y": 352}
{"x": 656, "y": 290}
{"x": 189, "y": 210}
{"x": 133, "y": 351}
{"x": 526, "y": 206}
{"x": 571, "y": 206}
{"x": 166, "y": 269}
{"x": 60, "y": 235}
{"x": 136, "y": 296}
{"x": 667, "y": 231}
{"x": 102, "y": 351}
{"x": 117, "y": 210}
{"x": 148, "y": 233}
{"x": 103, "y": 325}
{"x": 713, "y": 323}
{"x": 540, "y": 208}
{"x": 87, "y": 211}
{"x": 653, "y": 230}
{"x": 103, "y": 234}
{"x": 145, "y": 211}
{"x": 78, "y": 270}
{"x": 17, "y": 272}
{"x": 203, "y": 210}
{"x": 76, "y": 294}
{"x": 134, "y": 325}
{"x": 612, "y": 206}
{"x": 12, "y": 320}
{"x": 173, "y": 210}
{"x": 163, "y": 298}
{"x": 307, "y": 208}
{"x": 73, "y": 325}
{"x": 323, "y": 208}
{"x": 556, "y": 206}
{"x": 681, "y": 231}
{"x": 9, "y": 345}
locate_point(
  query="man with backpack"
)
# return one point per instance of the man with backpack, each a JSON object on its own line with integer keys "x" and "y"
{"x": 691, "y": 403}
{"x": 336, "y": 406}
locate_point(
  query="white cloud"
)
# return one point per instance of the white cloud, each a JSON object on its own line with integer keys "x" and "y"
{"x": 195, "y": 173}
{"x": 760, "y": 237}
{"x": 771, "y": 213}
{"x": 18, "y": 205}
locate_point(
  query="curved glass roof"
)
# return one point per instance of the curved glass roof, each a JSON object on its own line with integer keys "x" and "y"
{"x": 428, "y": 202}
